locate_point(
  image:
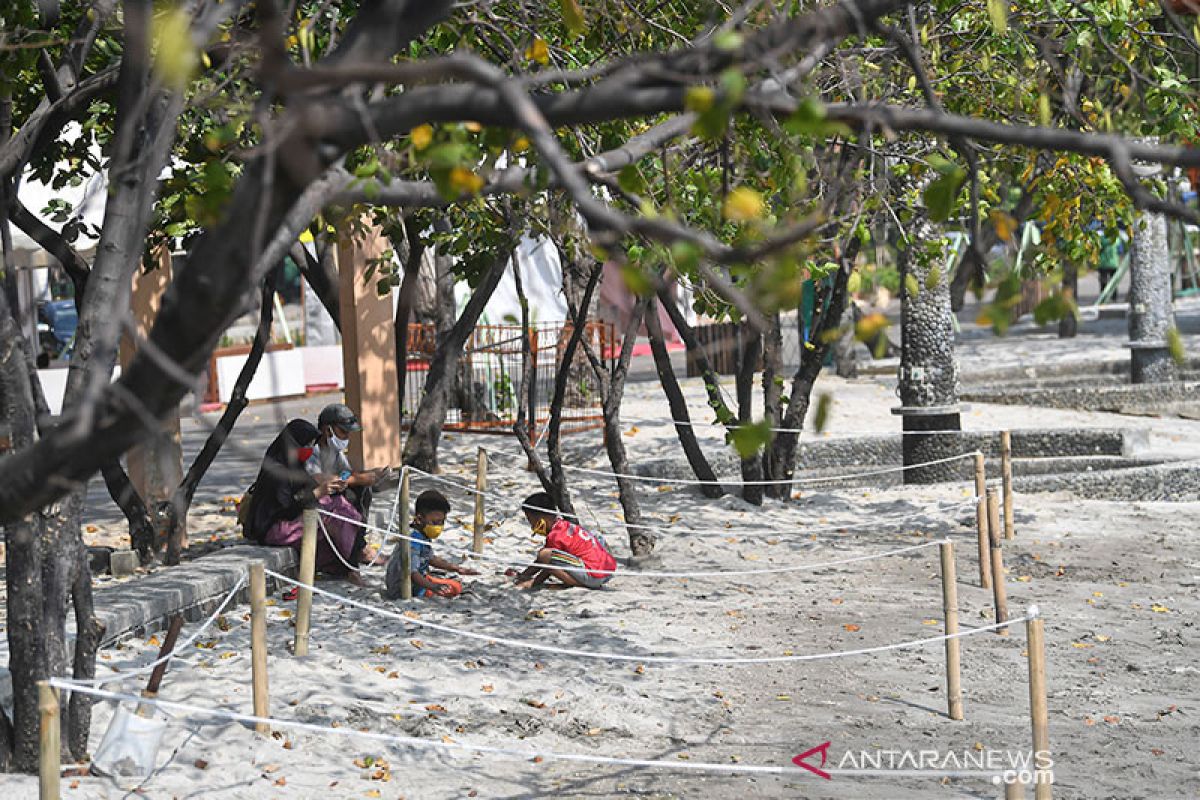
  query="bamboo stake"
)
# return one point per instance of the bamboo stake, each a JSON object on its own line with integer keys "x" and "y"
{"x": 49, "y": 743}
{"x": 1014, "y": 790}
{"x": 481, "y": 466}
{"x": 1006, "y": 481}
{"x": 985, "y": 558}
{"x": 953, "y": 652}
{"x": 1035, "y": 634}
{"x": 999, "y": 592}
{"x": 258, "y": 643}
{"x": 308, "y": 574}
{"x": 405, "y": 547}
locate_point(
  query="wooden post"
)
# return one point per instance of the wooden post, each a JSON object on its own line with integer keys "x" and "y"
{"x": 49, "y": 743}
{"x": 985, "y": 558}
{"x": 953, "y": 653}
{"x": 1014, "y": 790}
{"x": 406, "y": 549}
{"x": 998, "y": 589}
{"x": 1035, "y": 645}
{"x": 308, "y": 573}
{"x": 1006, "y": 481}
{"x": 258, "y": 643}
{"x": 481, "y": 466}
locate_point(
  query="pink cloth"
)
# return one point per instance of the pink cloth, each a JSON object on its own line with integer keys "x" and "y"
{"x": 288, "y": 532}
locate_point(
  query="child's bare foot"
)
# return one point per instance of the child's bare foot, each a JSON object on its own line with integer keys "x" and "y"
{"x": 525, "y": 584}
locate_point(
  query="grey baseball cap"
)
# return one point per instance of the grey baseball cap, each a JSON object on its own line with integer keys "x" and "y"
{"x": 340, "y": 415}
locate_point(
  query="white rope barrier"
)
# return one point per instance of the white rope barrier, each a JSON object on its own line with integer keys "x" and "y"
{"x": 644, "y": 658}
{"x": 189, "y": 709}
{"x": 728, "y": 482}
{"x": 241, "y": 581}
{"x": 655, "y": 574}
{"x": 722, "y": 427}
{"x": 759, "y": 522}
{"x": 362, "y": 524}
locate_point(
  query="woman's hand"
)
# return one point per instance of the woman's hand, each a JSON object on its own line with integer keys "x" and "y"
{"x": 327, "y": 485}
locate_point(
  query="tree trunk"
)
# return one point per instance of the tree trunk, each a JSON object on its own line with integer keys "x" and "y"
{"x": 1068, "y": 326}
{"x": 748, "y": 356}
{"x": 526, "y": 393}
{"x": 827, "y": 313}
{"x": 177, "y": 509}
{"x": 404, "y": 308}
{"x": 127, "y": 498}
{"x": 772, "y": 387}
{"x": 321, "y": 275}
{"x": 641, "y": 540}
{"x": 679, "y": 410}
{"x": 88, "y": 632}
{"x": 566, "y": 368}
{"x": 420, "y": 450}
{"x": 712, "y": 382}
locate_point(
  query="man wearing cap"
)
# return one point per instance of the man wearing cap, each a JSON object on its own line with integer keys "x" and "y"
{"x": 335, "y": 423}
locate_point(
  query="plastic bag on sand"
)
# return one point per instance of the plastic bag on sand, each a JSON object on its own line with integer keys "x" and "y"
{"x": 130, "y": 745}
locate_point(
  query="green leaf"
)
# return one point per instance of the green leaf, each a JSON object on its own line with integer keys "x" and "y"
{"x": 176, "y": 58}
{"x": 934, "y": 278}
{"x": 749, "y": 439}
{"x": 821, "y": 417}
{"x": 854, "y": 283}
{"x": 699, "y": 99}
{"x": 727, "y": 40}
{"x": 1175, "y": 346}
{"x": 941, "y": 195}
{"x": 573, "y": 17}
{"x": 998, "y": 11}
{"x": 636, "y": 280}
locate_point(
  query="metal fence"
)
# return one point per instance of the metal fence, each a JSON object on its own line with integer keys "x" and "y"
{"x": 484, "y": 397}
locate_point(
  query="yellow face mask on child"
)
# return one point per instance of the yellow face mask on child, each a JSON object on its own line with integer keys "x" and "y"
{"x": 539, "y": 528}
{"x": 432, "y": 531}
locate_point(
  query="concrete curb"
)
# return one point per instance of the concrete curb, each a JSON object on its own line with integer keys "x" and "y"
{"x": 142, "y": 606}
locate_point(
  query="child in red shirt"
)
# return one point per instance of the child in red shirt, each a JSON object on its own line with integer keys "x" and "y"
{"x": 573, "y": 556}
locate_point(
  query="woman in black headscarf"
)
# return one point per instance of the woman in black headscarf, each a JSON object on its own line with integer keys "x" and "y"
{"x": 284, "y": 489}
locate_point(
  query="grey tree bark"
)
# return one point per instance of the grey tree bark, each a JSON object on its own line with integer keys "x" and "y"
{"x": 928, "y": 384}
{"x": 1151, "y": 316}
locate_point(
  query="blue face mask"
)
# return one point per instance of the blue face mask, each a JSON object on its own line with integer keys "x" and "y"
{"x": 338, "y": 444}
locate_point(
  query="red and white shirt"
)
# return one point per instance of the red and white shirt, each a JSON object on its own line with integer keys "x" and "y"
{"x": 590, "y": 548}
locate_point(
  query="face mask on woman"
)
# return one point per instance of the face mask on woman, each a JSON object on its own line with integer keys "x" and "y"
{"x": 338, "y": 444}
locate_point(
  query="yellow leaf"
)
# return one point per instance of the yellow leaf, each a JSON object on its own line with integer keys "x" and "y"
{"x": 1080, "y": 645}
{"x": 1159, "y": 609}
{"x": 930, "y": 621}
{"x": 464, "y": 181}
{"x": 852, "y": 627}
{"x": 487, "y": 687}
{"x": 743, "y": 205}
{"x": 1097, "y": 594}
{"x": 473, "y": 127}
{"x": 417, "y": 643}
{"x": 521, "y": 144}
{"x": 1102, "y": 638}
{"x": 1003, "y": 223}
{"x": 539, "y": 51}
{"x": 176, "y": 57}
{"x": 374, "y": 792}
{"x": 783, "y": 697}
{"x": 1024, "y": 578}
{"x": 421, "y": 136}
